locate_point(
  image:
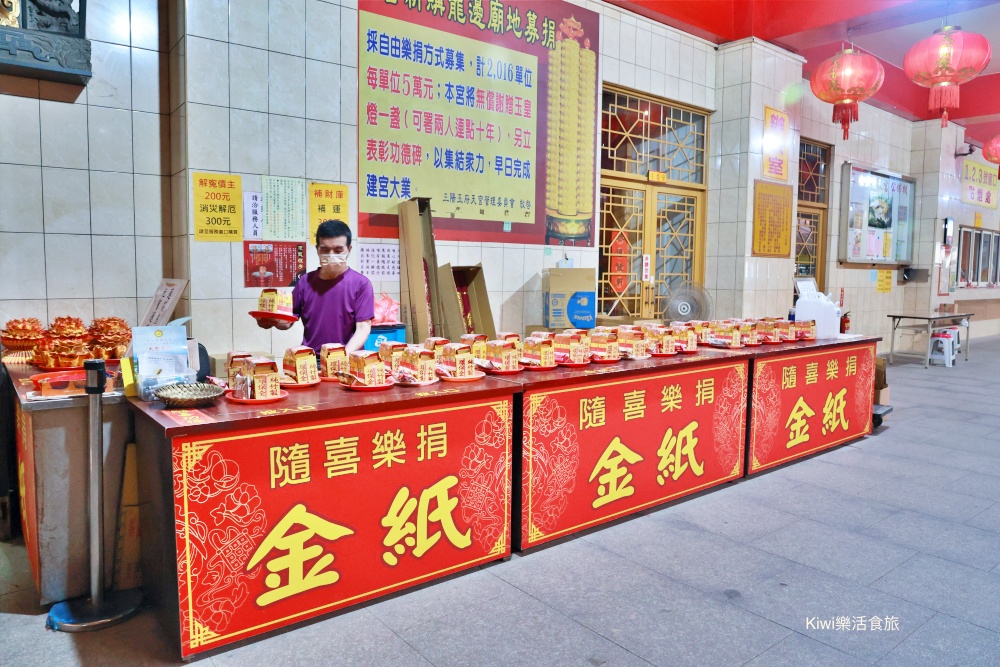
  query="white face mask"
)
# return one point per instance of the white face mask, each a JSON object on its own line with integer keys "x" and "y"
{"x": 333, "y": 260}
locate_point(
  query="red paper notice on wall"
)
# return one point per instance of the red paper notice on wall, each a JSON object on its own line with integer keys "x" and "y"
{"x": 273, "y": 263}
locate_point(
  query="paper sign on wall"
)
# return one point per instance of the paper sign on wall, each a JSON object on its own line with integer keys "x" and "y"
{"x": 218, "y": 207}
{"x": 884, "y": 284}
{"x": 273, "y": 263}
{"x": 379, "y": 261}
{"x": 777, "y": 137}
{"x": 980, "y": 186}
{"x": 327, "y": 202}
{"x": 284, "y": 208}
{"x": 253, "y": 218}
{"x": 772, "y": 219}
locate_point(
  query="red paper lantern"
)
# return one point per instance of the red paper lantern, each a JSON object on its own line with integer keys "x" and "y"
{"x": 991, "y": 151}
{"x": 945, "y": 60}
{"x": 847, "y": 78}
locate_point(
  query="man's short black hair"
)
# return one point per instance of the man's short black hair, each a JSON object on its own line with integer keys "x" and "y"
{"x": 331, "y": 229}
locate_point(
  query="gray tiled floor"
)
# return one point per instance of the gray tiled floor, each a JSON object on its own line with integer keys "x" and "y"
{"x": 903, "y": 524}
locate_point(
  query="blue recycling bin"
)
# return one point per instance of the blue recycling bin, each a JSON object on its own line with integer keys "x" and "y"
{"x": 383, "y": 332}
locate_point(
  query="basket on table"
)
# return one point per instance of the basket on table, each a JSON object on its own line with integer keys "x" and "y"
{"x": 189, "y": 395}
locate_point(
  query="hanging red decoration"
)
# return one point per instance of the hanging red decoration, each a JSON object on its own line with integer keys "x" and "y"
{"x": 847, "y": 78}
{"x": 945, "y": 60}
{"x": 991, "y": 151}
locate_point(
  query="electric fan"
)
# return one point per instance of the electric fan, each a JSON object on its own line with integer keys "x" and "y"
{"x": 689, "y": 301}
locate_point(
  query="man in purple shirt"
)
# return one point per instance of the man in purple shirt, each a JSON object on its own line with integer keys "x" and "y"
{"x": 335, "y": 303}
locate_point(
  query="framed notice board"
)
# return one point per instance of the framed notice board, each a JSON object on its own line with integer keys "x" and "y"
{"x": 876, "y": 220}
{"x": 772, "y": 219}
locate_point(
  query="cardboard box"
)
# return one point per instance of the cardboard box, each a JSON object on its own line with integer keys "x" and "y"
{"x": 420, "y": 362}
{"x": 465, "y": 304}
{"x": 366, "y": 366}
{"x": 299, "y": 364}
{"x": 333, "y": 360}
{"x": 570, "y": 297}
{"x": 390, "y": 352}
{"x": 457, "y": 358}
{"x": 419, "y": 302}
{"x": 543, "y": 333}
{"x": 265, "y": 379}
{"x": 477, "y": 342}
{"x": 882, "y": 396}
{"x": 503, "y": 354}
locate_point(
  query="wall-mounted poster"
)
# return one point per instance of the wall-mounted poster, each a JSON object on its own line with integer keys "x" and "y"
{"x": 876, "y": 225}
{"x": 488, "y": 108}
{"x": 980, "y": 186}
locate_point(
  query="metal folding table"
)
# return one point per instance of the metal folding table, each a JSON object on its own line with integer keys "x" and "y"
{"x": 930, "y": 323}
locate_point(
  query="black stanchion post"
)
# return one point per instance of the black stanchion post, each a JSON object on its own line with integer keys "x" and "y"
{"x": 102, "y": 608}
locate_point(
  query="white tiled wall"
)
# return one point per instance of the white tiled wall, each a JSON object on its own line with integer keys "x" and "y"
{"x": 100, "y": 176}
{"x": 749, "y": 75}
{"x": 265, "y": 87}
{"x": 85, "y": 219}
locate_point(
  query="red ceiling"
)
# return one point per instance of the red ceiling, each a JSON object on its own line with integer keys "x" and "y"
{"x": 816, "y": 29}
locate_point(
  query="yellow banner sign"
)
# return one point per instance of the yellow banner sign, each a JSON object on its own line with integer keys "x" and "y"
{"x": 777, "y": 137}
{"x": 772, "y": 219}
{"x": 218, "y": 207}
{"x": 884, "y": 283}
{"x": 327, "y": 201}
{"x": 980, "y": 186}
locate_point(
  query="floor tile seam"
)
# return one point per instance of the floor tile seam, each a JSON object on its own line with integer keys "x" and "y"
{"x": 858, "y": 582}
{"x": 900, "y": 477}
{"x": 471, "y": 605}
{"x": 710, "y": 594}
{"x": 936, "y": 555}
{"x": 582, "y": 624}
{"x": 900, "y": 643}
{"x": 988, "y": 508}
{"x": 831, "y": 646}
{"x": 403, "y": 639}
{"x": 934, "y": 516}
{"x": 972, "y": 623}
{"x": 786, "y": 511}
{"x": 781, "y": 625}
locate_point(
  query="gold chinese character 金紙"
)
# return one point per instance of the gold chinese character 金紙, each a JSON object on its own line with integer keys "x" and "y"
{"x": 812, "y": 372}
{"x": 635, "y": 404}
{"x": 389, "y": 449}
{"x": 289, "y": 465}
{"x": 833, "y": 411}
{"x": 592, "y": 413}
{"x": 852, "y": 366}
{"x": 832, "y": 369}
{"x": 433, "y": 441}
{"x": 671, "y": 399}
{"x": 788, "y": 377}
{"x": 705, "y": 391}
{"x": 405, "y": 532}
{"x": 293, "y": 563}
{"x": 676, "y": 454}
{"x": 341, "y": 457}
{"x": 614, "y": 482}
{"x": 798, "y": 429}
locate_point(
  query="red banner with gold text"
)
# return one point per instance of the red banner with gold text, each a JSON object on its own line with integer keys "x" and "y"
{"x": 806, "y": 402}
{"x": 597, "y": 451}
{"x": 278, "y": 525}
